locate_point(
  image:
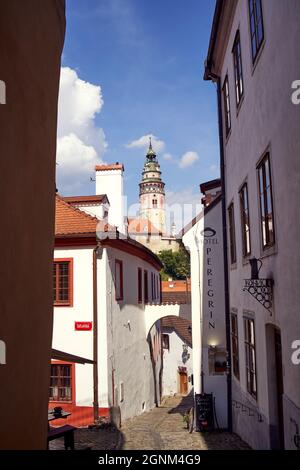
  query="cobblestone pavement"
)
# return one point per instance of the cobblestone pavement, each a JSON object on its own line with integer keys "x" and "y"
{"x": 91, "y": 439}
{"x": 163, "y": 429}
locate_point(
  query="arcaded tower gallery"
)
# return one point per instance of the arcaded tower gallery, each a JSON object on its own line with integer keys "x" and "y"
{"x": 152, "y": 193}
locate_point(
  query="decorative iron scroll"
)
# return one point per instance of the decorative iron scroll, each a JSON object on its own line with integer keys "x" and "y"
{"x": 261, "y": 290}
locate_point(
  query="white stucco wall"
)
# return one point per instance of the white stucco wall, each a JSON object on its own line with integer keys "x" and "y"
{"x": 267, "y": 119}
{"x": 65, "y": 338}
{"x": 120, "y": 347}
{"x": 128, "y": 350}
{"x": 208, "y": 304}
{"x": 172, "y": 359}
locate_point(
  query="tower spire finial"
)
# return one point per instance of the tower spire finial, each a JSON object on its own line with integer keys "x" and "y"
{"x": 151, "y": 155}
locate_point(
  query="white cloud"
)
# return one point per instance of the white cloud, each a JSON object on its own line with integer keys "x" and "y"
{"x": 168, "y": 157}
{"x": 143, "y": 142}
{"x": 188, "y": 159}
{"x": 80, "y": 143}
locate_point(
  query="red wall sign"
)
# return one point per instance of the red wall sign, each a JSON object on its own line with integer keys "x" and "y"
{"x": 83, "y": 325}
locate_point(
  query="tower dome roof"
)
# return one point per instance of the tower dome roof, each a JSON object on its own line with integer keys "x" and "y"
{"x": 150, "y": 155}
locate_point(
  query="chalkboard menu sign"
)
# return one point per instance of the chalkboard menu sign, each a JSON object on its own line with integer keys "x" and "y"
{"x": 204, "y": 412}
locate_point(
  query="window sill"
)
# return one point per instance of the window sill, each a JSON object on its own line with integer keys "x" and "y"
{"x": 63, "y": 305}
{"x": 54, "y": 402}
{"x": 238, "y": 106}
{"x": 268, "y": 251}
{"x": 252, "y": 398}
{"x": 227, "y": 137}
{"x": 256, "y": 60}
{"x": 246, "y": 259}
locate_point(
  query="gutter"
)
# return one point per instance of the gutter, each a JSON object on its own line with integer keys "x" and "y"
{"x": 213, "y": 38}
{"x": 95, "y": 335}
{"x": 214, "y": 78}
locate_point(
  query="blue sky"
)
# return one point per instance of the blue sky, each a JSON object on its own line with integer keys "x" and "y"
{"x": 147, "y": 57}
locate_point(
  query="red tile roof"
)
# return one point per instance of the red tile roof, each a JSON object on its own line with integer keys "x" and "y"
{"x": 95, "y": 199}
{"x": 176, "y": 286}
{"x": 72, "y": 221}
{"x": 176, "y": 297}
{"x": 141, "y": 226}
{"x": 114, "y": 166}
{"x": 180, "y": 325}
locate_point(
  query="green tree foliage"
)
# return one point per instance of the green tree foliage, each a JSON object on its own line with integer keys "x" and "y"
{"x": 176, "y": 264}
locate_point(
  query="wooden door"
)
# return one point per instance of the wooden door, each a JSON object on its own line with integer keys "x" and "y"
{"x": 279, "y": 386}
{"x": 183, "y": 383}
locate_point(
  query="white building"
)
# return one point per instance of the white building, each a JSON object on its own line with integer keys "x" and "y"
{"x": 203, "y": 237}
{"x": 101, "y": 288}
{"x": 255, "y": 59}
{"x": 177, "y": 356}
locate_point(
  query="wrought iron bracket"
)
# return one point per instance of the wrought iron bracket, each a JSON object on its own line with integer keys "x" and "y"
{"x": 261, "y": 290}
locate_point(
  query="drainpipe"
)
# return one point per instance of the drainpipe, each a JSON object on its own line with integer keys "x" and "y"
{"x": 215, "y": 78}
{"x": 95, "y": 335}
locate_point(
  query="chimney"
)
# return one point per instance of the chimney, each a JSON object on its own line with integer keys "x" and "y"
{"x": 210, "y": 190}
{"x": 109, "y": 181}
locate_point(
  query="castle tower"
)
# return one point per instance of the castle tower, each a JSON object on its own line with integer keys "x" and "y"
{"x": 152, "y": 192}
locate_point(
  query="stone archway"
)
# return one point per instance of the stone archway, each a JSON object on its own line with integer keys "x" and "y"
{"x": 153, "y": 313}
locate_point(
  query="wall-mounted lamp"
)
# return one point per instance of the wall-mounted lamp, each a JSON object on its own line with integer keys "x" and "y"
{"x": 254, "y": 267}
{"x": 127, "y": 325}
{"x": 189, "y": 330}
{"x": 260, "y": 289}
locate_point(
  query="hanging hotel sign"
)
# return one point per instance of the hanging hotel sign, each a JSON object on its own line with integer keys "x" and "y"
{"x": 261, "y": 290}
{"x": 83, "y": 325}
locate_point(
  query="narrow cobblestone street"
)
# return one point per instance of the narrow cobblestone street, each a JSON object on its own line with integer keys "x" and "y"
{"x": 163, "y": 428}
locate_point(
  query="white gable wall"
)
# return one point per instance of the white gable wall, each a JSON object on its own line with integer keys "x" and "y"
{"x": 208, "y": 304}
{"x": 172, "y": 359}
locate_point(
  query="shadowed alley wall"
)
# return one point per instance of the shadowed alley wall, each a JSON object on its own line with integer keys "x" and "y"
{"x": 31, "y": 41}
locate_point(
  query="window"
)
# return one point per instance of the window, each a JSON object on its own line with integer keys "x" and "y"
{"x": 146, "y": 296}
{"x": 165, "y": 342}
{"x": 140, "y": 285}
{"x": 61, "y": 382}
{"x": 232, "y": 234}
{"x": 121, "y": 392}
{"x": 154, "y": 202}
{"x": 256, "y": 26}
{"x": 250, "y": 357}
{"x": 119, "y": 279}
{"x": 235, "y": 346}
{"x": 62, "y": 282}
{"x": 266, "y": 202}
{"x": 154, "y": 286}
{"x": 159, "y": 287}
{"x": 226, "y": 102}
{"x": 244, "y": 204}
{"x": 238, "y": 70}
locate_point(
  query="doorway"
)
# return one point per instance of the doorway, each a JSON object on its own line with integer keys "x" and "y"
{"x": 275, "y": 386}
{"x": 183, "y": 381}
{"x": 279, "y": 385}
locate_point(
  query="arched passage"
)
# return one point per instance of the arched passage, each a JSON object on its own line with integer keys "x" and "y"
{"x": 153, "y": 313}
